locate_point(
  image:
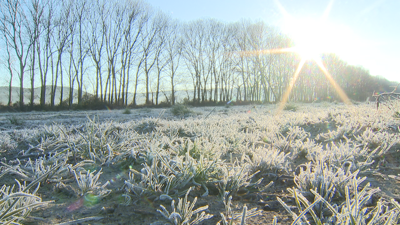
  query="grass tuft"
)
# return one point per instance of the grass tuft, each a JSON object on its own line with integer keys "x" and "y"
{"x": 126, "y": 111}
{"x": 290, "y": 107}
{"x": 16, "y": 121}
{"x": 181, "y": 110}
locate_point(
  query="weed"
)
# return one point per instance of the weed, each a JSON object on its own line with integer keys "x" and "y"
{"x": 328, "y": 181}
{"x": 88, "y": 183}
{"x": 181, "y": 110}
{"x": 16, "y": 121}
{"x": 396, "y": 115}
{"x": 269, "y": 161}
{"x": 160, "y": 176}
{"x": 229, "y": 217}
{"x": 15, "y": 206}
{"x": 33, "y": 170}
{"x": 236, "y": 177}
{"x": 126, "y": 111}
{"x": 355, "y": 209}
{"x": 183, "y": 213}
{"x": 147, "y": 126}
{"x": 290, "y": 107}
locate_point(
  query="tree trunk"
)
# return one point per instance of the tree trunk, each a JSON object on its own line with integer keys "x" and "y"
{"x": 21, "y": 89}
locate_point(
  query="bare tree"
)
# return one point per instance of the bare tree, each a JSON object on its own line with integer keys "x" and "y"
{"x": 137, "y": 75}
{"x": 62, "y": 35}
{"x": 14, "y": 27}
{"x": 220, "y": 52}
{"x": 241, "y": 53}
{"x": 80, "y": 12}
{"x": 44, "y": 49}
{"x": 151, "y": 48}
{"x": 226, "y": 63}
{"x": 36, "y": 13}
{"x": 137, "y": 18}
{"x": 72, "y": 66}
{"x": 162, "y": 58}
{"x": 10, "y": 67}
{"x": 174, "y": 45}
{"x": 113, "y": 29}
{"x": 96, "y": 40}
{"x": 194, "y": 39}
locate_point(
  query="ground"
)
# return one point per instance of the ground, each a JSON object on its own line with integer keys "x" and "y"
{"x": 231, "y": 131}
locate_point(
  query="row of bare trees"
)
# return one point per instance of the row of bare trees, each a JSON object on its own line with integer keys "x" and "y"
{"x": 118, "y": 49}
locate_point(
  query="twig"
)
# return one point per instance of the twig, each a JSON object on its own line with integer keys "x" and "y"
{"x": 392, "y": 93}
{"x": 81, "y": 220}
{"x": 210, "y": 113}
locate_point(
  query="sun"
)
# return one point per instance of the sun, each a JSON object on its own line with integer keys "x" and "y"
{"x": 308, "y": 44}
{"x": 311, "y": 38}
{"x": 314, "y": 37}
{"x": 308, "y": 51}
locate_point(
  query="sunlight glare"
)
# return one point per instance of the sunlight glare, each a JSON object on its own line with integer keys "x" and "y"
{"x": 290, "y": 87}
{"x": 312, "y": 38}
{"x": 338, "y": 89}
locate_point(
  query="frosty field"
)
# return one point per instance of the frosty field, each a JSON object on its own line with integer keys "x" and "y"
{"x": 322, "y": 163}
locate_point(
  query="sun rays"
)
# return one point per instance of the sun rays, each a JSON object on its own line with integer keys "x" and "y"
{"x": 312, "y": 39}
{"x": 290, "y": 87}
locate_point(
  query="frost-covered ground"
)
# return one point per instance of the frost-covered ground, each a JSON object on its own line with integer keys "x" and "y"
{"x": 149, "y": 166}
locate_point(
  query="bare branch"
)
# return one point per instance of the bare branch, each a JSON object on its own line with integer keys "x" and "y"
{"x": 391, "y": 94}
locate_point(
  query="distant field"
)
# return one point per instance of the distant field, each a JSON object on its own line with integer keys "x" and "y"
{"x": 127, "y": 166}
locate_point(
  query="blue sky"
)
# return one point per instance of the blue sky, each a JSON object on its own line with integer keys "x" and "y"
{"x": 373, "y": 26}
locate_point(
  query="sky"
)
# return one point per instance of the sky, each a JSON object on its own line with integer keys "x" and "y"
{"x": 365, "y": 32}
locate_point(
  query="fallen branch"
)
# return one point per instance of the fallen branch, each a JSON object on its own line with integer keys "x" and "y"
{"x": 81, "y": 220}
{"x": 390, "y": 94}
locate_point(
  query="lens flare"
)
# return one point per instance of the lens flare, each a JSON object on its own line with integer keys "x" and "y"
{"x": 338, "y": 89}
{"x": 290, "y": 87}
{"x": 90, "y": 200}
{"x": 314, "y": 37}
{"x": 76, "y": 205}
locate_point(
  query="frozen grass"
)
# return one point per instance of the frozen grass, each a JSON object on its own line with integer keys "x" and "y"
{"x": 126, "y": 111}
{"x": 88, "y": 184}
{"x": 356, "y": 209}
{"x": 15, "y": 121}
{"x": 15, "y": 205}
{"x": 183, "y": 213}
{"x": 181, "y": 110}
{"x": 230, "y": 153}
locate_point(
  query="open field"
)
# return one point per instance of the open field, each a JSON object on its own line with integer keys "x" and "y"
{"x": 331, "y": 161}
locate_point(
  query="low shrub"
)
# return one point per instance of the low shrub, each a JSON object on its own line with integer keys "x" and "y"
{"x": 290, "y": 107}
{"x": 127, "y": 111}
{"x": 180, "y": 110}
